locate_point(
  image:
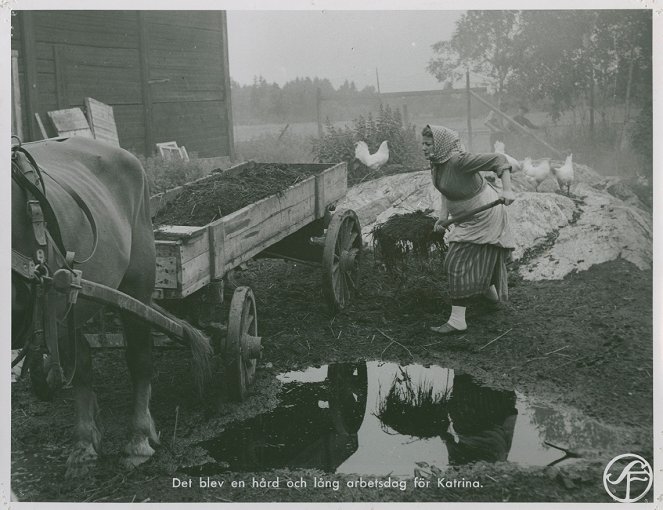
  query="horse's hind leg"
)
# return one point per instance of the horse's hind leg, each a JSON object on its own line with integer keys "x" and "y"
{"x": 139, "y": 360}
{"x": 87, "y": 437}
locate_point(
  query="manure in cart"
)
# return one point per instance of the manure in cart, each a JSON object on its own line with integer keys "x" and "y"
{"x": 405, "y": 235}
{"x": 209, "y": 199}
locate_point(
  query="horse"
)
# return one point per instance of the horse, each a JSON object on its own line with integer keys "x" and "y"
{"x": 77, "y": 174}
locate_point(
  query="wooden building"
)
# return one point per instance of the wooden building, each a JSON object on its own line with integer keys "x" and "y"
{"x": 165, "y": 73}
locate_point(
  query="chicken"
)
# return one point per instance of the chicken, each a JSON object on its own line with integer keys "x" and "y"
{"x": 515, "y": 164}
{"x": 564, "y": 174}
{"x": 536, "y": 173}
{"x": 372, "y": 161}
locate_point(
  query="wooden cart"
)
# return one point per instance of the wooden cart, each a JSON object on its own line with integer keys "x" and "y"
{"x": 299, "y": 223}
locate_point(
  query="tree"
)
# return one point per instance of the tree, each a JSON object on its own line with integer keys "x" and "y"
{"x": 599, "y": 58}
{"x": 483, "y": 42}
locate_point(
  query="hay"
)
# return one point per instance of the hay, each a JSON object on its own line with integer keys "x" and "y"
{"x": 407, "y": 234}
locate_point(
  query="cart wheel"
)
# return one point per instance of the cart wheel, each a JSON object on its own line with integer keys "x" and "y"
{"x": 242, "y": 346}
{"x": 340, "y": 259}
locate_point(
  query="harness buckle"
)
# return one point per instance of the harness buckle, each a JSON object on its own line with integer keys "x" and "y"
{"x": 38, "y": 223}
{"x": 75, "y": 286}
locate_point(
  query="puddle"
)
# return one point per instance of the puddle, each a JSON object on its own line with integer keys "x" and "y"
{"x": 379, "y": 418}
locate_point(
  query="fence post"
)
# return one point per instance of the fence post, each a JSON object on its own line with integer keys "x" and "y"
{"x": 318, "y": 101}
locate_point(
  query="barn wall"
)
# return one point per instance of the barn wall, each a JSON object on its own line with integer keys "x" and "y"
{"x": 164, "y": 73}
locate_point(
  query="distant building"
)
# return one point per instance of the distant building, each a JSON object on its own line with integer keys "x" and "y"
{"x": 165, "y": 73}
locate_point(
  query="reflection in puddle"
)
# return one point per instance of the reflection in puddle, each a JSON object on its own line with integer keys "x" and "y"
{"x": 381, "y": 418}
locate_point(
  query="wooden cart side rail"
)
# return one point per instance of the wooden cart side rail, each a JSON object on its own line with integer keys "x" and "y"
{"x": 188, "y": 258}
{"x": 160, "y": 200}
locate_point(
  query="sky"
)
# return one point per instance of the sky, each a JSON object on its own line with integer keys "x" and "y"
{"x": 338, "y": 45}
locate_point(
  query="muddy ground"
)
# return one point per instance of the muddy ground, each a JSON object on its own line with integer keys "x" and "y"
{"x": 601, "y": 320}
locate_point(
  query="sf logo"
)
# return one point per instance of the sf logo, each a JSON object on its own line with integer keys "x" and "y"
{"x": 627, "y": 478}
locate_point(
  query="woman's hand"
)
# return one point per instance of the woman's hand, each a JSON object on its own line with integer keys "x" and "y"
{"x": 508, "y": 196}
{"x": 439, "y": 226}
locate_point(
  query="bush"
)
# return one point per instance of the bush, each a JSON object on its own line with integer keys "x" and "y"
{"x": 338, "y": 144}
{"x": 273, "y": 148}
{"x": 164, "y": 174}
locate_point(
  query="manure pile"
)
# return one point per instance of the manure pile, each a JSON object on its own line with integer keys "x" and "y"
{"x": 207, "y": 200}
{"x": 407, "y": 234}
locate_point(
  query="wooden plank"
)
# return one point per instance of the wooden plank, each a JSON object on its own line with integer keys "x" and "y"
{"x": 42, "y": 129}
{"x": 60, "y": 59}
{"x": 253, "y": 228}
{"x": 144, "y": 52}
{"x": 17, "y": 112}
{"x": 131, "y": 130}
{"x": 70, "y": 122}
{"x": 119, "y": 59}
{"x": 166, "y": 272}
{"x": 106, "y": 84}
{"x": 196, "y": 273}
{"x": 102, "y": 29}
{"x": 197, "y": 125}
{"x": 331, "y": 185}
{"x": 102, "y": 121}
{"x": 30, "y": 63}
{"x": 182, "y": 39}
{"x": 200, "y": 20}
{"x": 191, "y": 246}
{"x": 47, "y": 98}
{"x": 168, "y": 266}
{"x": 217, "y": 243}
{"x": 230, "y": 140}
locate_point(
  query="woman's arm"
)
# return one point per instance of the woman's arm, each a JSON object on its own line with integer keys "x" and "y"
{"x": 507, "y": 192}
{"x": 444, "y": 215}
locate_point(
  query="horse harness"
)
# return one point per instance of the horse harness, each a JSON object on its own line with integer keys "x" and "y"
{"x": 46, "y": 287}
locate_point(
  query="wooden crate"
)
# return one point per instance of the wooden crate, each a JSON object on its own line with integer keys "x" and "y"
{"x": 188, "y": 258}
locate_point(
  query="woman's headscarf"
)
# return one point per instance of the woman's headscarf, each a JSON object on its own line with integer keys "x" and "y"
{"x": 446, "y": 143}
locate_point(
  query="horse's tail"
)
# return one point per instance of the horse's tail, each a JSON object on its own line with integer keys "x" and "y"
{"x": 201, "y": 350}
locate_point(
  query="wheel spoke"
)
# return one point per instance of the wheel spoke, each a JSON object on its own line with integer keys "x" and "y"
{"x": 353, "y": 238}
{"x": 249, "y": 321}
{"x": 351, "y": 281}
{"x": 337, "y": 287}
{"x": 343, "y": 289}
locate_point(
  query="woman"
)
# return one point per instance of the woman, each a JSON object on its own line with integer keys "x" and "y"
{"x": 479, "y": 246}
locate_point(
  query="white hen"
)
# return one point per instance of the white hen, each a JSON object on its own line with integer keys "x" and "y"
{"x": 564, "y": 174}
{"x": 536, "y": 173}
{"x": 372, "y": 161}
{"x": 515, "y": 164}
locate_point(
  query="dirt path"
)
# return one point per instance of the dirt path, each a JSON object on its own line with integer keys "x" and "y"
{"x": 599, "y": 322}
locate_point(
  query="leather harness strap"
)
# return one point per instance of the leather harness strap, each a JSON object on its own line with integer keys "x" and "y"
{"x": 48, "y": 214}
{"x": 45, "y": 297}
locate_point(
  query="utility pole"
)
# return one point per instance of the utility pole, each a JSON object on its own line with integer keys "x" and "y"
{"x": 318, "y": 102}
{"x": 469, "y": 109}
{"x": 377, "y": 79}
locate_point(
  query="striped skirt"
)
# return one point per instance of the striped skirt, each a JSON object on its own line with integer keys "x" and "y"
{"x": 473, "y": 268}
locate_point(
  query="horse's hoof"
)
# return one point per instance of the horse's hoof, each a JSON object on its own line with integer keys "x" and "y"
{"x": 81, "y": 461}
{"x": 136, "y": 453}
